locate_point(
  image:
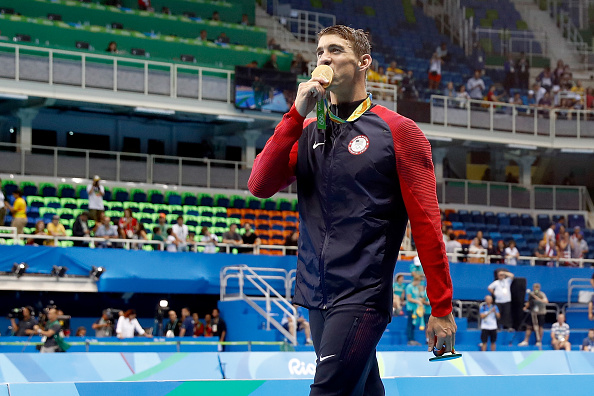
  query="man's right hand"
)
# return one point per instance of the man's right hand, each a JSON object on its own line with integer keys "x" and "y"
{"x": 308, "y": 94}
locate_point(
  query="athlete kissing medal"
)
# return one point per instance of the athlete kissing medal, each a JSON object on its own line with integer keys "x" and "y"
{"x": 326, "y": 72}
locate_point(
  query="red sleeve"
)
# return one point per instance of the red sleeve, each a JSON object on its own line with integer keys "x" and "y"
{"x": 417, "y": 183}
{"x": 274, "y": 167}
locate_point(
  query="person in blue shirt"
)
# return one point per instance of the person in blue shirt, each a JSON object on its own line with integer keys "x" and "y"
{"x": 489, "y": 315}
{"x": 399, "y": 295}
{"x": 187, "y": 327}
{"x": 588, "y": 343}
{"x": 413, "y": 300}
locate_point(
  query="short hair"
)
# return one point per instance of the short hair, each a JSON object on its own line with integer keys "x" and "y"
{"x": 356, "y": 37}
{"x": 156, "y": 230}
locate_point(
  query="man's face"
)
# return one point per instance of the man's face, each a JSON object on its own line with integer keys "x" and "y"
{"x": 172, "y": 315}
{"x": 161, "y": 220}
{"x": 561, "y": 318}
{"x": 180, "y": 221}
{"x": 185, "y": 312}
{"x": 106, "y": 221}
{"x": 215, "y": 313}
{"x": 26, "y": 313}
{"x": 501, "y": 276}
{"x": 489, "y": 300}
{"x": 591, "y": 334}
{"x": 52, "y": 315}
{"x": 338, "y": 53}
{"x": 233, "y": 228}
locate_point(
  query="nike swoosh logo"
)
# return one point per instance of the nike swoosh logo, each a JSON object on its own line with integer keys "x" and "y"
{"x": 314, "y": 147}
{"x": 322, "y": 358}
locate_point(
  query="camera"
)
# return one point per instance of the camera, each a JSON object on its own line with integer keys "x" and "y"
{"x": 15, "y": 313}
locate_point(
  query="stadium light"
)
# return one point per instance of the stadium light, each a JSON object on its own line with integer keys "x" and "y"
{"x": 96, "y": 272}
{"x": 19, "y": 269}
{"x": 163, "y": 304}
{"x": 439, "y": 138}
{"x": 13, "y": 96}
{"x": 522, "y": 146}
{"x": 58, "y": 271}
{"x": 152, "y": 110}
{"x": 577, "y": 151}
{"x": 222, "y": 117}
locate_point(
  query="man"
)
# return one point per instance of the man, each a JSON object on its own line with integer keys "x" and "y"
{"x": 162, "y": 223}
{"x": 489, "y": 316}
{"x": 187, "y": 327}
{"x": 537, "y": 306}
{"x": 55, "y": 228}
{"x": 481, "y": 238}
{"x": 560, "y": 334}
{"x": 80, "y": 228}
{"x": 219, "y": 327}
{"x": 452, "y": 247}
{"x": 588, "y": 343}
{"x": 203, "y": 35}
{"x": 181, "y": 232}
{"x": 106, "y": 231}
{"x": 54, "y": 341}
{"x": 271, "y": 63}
{"x": 232, "y": 237}
{"x": 26, "y": 324}
{"x": 579, "y": 247}
{"x": 302, "y": 324}
{"x": 18, "y": 211}
{"x": 501, "y": 289}
{"x": 103, "y": 326}
{"x": 442, "y": 52}
{"x": 541, "y": 253}
{"x": 358, "y": 184}
{"x": 413, "y": 301}
{"x": 475, "y": 86}
{"x": 96, "y": 192}
{"x": 249, "y": 237}
{"x": 173, "y": 326}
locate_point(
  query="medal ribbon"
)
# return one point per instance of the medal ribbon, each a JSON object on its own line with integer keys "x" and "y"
{"x": 322, "y": 109}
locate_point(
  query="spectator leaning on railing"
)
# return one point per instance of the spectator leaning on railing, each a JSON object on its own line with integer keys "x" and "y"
{"x": 107, "y": 231}
{"x": 80, "y": 228}
{"x": 18, "y": 210}
{"x": 128, "y": 324}
{"x": 55, "y": 228}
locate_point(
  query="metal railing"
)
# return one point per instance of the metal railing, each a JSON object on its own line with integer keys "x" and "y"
{"x": 453, "y": 20}
{"x": 304, "y": 25}
{"x": 258, "y": 278}
{"x": 89, "y": 63}
{"x": 515, "y": 119}
{"x": 574, "y": 286}
{"x": 514, "y": 41}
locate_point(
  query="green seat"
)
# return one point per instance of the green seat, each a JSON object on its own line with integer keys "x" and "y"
{"x": 69, "y": 232}
{"x": 52, "y": 201}
{"x": 218, "y": 231}
{"x": 45, "y": 210}
{"x": 66, "y": 243}
{"x": 220, "y": 212}
{"x": 492, "y": 14}
{"x": 82, "y": 203}
{"x": 67, "y": 188}
{"x": 145, "y": 205}
{"x": 33, "y": 198}
{"x": 233, "y": 220}
{"x": 171, "y": 218}
{"x": 190, "y": 208}
{"x": 173, "y": 198}
{"x": 159, "y": 208}
{"x": 65, "y": 211}
{"x": 135, "y": 206}
{"x": 69, "y": 203}
{"x": 176, "y": 208}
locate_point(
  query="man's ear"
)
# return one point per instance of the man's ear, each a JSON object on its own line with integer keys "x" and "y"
{"x": 365, "y": 62}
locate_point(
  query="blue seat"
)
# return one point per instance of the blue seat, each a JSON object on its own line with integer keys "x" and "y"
{"x": 223, "y": 202}
{"x": 285, "y": 205}
{"x": 263, "y": 216}
{"x": 505, "y": 228}
{"x": 157, "y": 198}
{"x": 254, "y": 204}
{"x": 514, "y": 219}
{"x": 576, "y": 220}
{"x": 139, "y": 197}
{"x": 543, "y": 221}
{"x": 490, "y": 218}
{"x": 527, "y": 220}
{"x": 477, "y": 217}
{"x": 464, "y": 216}
{"x": 49, "y": 191}
{"x": 239, "y": 203}
{"x": 205, "y": 200}
{"x": 106, "y": 197}
{"x": 453, "y": 217}
{"x": 503, "y": 219}
{"x": 174, "y": 199}
{"x": 270, "y": 205}
{"x": 122, "y": 196}
{"x": 456, "y": 225}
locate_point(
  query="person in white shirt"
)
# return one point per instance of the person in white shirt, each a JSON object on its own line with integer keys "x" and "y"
{"x": 560, "y": 334}
{"x": 489, "y": 315}
{"x": 128, "y": 324}
{"x": 211, "y": 240}
{"x": 181, "y": 232}
{"x": 511, "y": 253}
{"x": 172, "y": 242}
{"x": 96, "y": 192}
{"x": 476, "y": 248}
{"x": 451, "y": 247}
{"x": 475, "y": 86}
{"x": 501, "y": 289}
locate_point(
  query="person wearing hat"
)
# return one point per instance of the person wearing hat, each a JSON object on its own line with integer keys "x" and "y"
{"x": 55, "y": 228}
{"x": 96, "y": 192}
{"x": 162, "y": 223}
{"x": 80, "y": 228}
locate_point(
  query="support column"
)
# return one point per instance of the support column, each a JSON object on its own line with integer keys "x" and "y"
{"x": 498, "y": 164}
{"x": 219, "y": 146}
{"x": 25, "y": 133}
{"x": 249, "y": 150}
{"x": 439, "y": 155}
{"x": 525, "y": 163}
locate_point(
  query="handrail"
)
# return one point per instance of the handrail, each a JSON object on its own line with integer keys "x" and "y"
{"x": 576, "y": 284}
{"x": 508, "y": 37}
{"x": 270, "y": 294}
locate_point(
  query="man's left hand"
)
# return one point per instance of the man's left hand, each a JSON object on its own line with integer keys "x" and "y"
{"x": 445, "y": 330}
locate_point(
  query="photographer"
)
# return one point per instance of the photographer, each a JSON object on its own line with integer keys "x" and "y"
{"x": 537, "y": 306}
{"x": 54, "y": 341}
{"x": 26, "y": 322}
{"x": 96, "y": 192}
{"x": 104, "y": 325}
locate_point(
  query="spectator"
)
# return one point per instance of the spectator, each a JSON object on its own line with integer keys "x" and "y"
{"x": 207, "y": 325}
{"x": 523, "y": 70}
{"x": 272, "y": 45}
{"x": 80, "y": 228}
{"x": 165, "y": 10}
{"x": 579, "y": 247}
{"x": 298, "y": 66}
{"x": 211, "y": 240}
{"x": 511, "y": 253}
{"x": 549, "y": 235}
{"x": 416, "y": 269}
{"x": 476, "y": 248}
{"x": 413, "y": 300}
{"x": 104, "y": 325}
{"x": 173, "y": 326}
{"x": 54, "y": 341}
{"x": 215, "y": 16}
{"x": 588, "y": 343}
{"x": 408, "y": 89}
{"x": 271, "y": 63}
{"x": 81, "y": 331}
{"x": 55, "y": 228}
{"x": 96, "y": 192}
{"x": 475, "y": 86}
{"x": 39, "y": 230}
{"x": 435, "y": 71}
{"x": 501, "y": 289}
{"x": 450, "y": 91}
{"x": 245, "y": 20}
{"x": 452, "y": 247}
{"x": 545, "y": 78}
{"x": 18, "y": 210}
{"x": 530, "y": 100}
{"x": 158, "y": 236}
{"x": 198, "y": 326}
{"x": 492, "y": 96}
{"x": 537, "y": 306}
{"x": 112, "y": 48}
{"x": 560, "y": 334}
{"x": 489, "y": 313}
{"x": 141, "y": 235}
{"x": 3, "y": 203}
{"x": 302, "y": 324}
{"x": 538, "y": 92}
{"x": 25, "y": 326}
{"x": 232, "y": 237}
{"x": 292, "y": 240}
{"x": 482, "y": 240}
{"x": 478, "y": 58}
{"x": 128, "y": 325}
{"x": 510, "y": 74}
{"x": 558, "y": 72}
{"x": 399, "y": 295}
{"x": 187, "y": 326}
{"x": 253, "y": 64}
{"x": 445, "y": 232}
{"x": 162, "y": 223}
{"x": 394, "y": 73}
{"x": 564, "y": 249}
{"x": 492, "y": 251}
{"x": 128, "y": 225}
{"x": 222, "y": 39}
{"x": 516, "y": 100}
{"x": 462, "y": 97}
{"x": 145, "y": 5}
{"x": 181, "y": 232}
{"x": 106, "y": 231}
{"x": 203, "y": 35}
{"x": 249, "y": 237}
{"x": 541, "y": 253}
{"x": 442, "y": 52}
{"x": 219, "y": 327}
{"x": 172, "y": 241}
